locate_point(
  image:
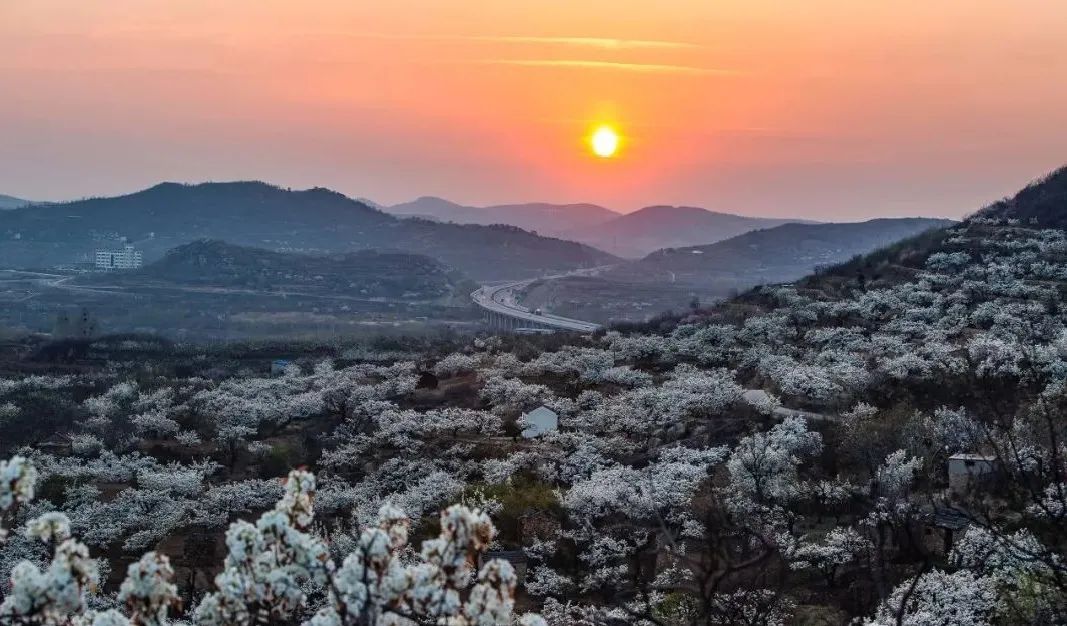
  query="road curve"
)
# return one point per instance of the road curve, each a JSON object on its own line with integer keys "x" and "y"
{"x": 498, "y": 300}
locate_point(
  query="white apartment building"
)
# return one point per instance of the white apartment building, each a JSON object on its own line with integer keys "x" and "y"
{"x": 125, "y": 259}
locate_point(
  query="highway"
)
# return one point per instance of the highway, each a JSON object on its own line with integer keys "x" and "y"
{"x": 500, "y": 300}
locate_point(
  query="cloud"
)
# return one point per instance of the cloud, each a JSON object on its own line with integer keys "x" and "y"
{"x": 593, "y": 42}
{"x": 607, "y": 43}
{"x": 644, "y": 68}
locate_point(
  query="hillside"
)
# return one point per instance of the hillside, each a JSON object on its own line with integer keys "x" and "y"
{"x": 903, "y": 426}
{"x": 438, "y": 209}
{"x": 213, "y": 290}
{"x": 542, "y": 217}
{"x": 1039, "y": 207}
{"x": 256, "y": 214}
{"x": 893, "y": 422}
{"x": 1042, "y": 203}
{"x": 673, "y": 279}
{"x": 779, "y": 254}
{"x": 366, "y": 273}
{"x": 636, "y": 234}
{"x": 11, "y": 202}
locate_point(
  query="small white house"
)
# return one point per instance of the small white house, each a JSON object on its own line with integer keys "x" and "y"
{"x": 539, "y": 421}
{"x": 964, "y": 470}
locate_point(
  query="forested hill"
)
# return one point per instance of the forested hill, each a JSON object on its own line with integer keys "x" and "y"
{"x": 366, "y": 273}
{"x": 257, "y": 214}
{"x": 1042, "y": 203}
{"x": 915, "y": 363}
{"x": 1039, "y": 207}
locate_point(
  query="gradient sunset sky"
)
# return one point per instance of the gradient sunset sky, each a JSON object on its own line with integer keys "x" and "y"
{"x": 826, "y": 109}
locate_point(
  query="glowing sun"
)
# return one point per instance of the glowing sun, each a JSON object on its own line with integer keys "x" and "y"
{"x": 604, "y": 141}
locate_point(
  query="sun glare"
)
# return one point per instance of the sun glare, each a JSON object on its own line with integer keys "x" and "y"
{"x": 605, "y": 142}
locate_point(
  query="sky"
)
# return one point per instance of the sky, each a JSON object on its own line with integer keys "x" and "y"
{"x": 822, "y": 109}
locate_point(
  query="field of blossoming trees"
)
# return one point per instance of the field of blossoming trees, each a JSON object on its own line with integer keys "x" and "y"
{"x": 360, "y": 485}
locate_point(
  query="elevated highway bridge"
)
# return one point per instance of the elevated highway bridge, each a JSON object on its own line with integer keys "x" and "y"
{"x": 504, "y": 313}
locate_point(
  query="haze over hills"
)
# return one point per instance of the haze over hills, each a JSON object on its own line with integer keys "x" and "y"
{"x": 636, "y": 234}
{"x": 772, "y": 255}
{"x": 1041, "y": 205}
{"x": 631, "y": 235}
{"x": 257, "y": 214}
{"x": 210, "y": 290}
{"x": 542, "y": 217}
{"x": 673, "y": 278}
{"x": 365, "y": 273}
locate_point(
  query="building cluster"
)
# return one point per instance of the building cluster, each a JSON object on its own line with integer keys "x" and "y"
{"x": 126, "y": 259}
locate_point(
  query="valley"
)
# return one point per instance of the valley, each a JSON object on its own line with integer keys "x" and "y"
{"x": 555, "y": 313}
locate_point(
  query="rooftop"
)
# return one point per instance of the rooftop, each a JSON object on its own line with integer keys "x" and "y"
{"x": 972, "y": 456}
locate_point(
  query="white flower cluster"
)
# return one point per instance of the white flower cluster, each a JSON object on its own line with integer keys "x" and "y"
{"x": 51, "y": 595}
{"x": 149, "y": 591}
{"x": 455, "y": 363}
{"x": 270, "y": 568}
{"x": 374, "y": 586}
{"x": 17, "y": 479}
{"x": 57, "y": 593}
{"x": 763, "y": 466}
{"x": 269, "y": 562}
{"x": 939, "y": 599}
{"x": 839, "y": 547}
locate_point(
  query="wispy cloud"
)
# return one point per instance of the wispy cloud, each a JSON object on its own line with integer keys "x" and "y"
{"x": 644, "y": 68}
{"x": 606, "y": 43}
{"x": 593, "y": 42}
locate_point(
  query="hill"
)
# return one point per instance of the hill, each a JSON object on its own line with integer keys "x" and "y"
{"x": 366, "y": 273}
{"x": 212, "y": 290}
{"x": 636, "y": 234}
{"x": 676, "y": 279}
{"x": 542, "y": 217}
{"x": 261, "y": 215}
{"x": 1042, "y": 203}
{"x": 438, "y": 209}
{"x": 11, "y": 202}
{"x": 896, "y": 429}
{"x": 772, "y": 255}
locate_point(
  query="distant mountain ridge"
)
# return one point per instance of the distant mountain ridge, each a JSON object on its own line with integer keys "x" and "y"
{"x": 631, "y": 235}
{"x": 636, "y": 234}
{"x": 783, "y": 253}
{"x": 542, "y": 217}
{"x": 261, "y": 215}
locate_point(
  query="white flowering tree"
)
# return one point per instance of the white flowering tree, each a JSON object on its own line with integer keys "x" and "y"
{"x": 454, "y": 364}
{"x": 937, "y": 598}
{"x": 838, "y": 548}
{"x": 17, "y": 480}
{"x": 57, "y": 594}
{"x": 269, "y": 570}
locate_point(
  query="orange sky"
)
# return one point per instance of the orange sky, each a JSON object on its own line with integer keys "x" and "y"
{"x": 828, "y": 109}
